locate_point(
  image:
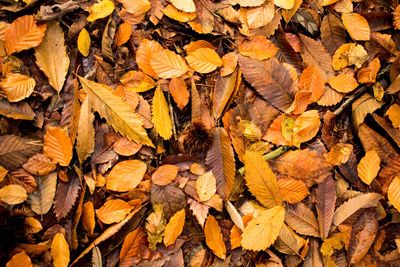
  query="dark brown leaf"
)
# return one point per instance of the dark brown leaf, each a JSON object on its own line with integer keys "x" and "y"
{"x": 66, "y": 196}
{"x": 15, "y": 150}
{"x": 326, "y": 200}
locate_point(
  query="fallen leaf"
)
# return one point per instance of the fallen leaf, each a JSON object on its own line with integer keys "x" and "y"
{"x": 286, "y": 4}
{"x": 84, "y": 42}
{"x": 39, "y": 164}
{"x": 57, "y": 146}
{"x": 17, "y": 86}
{"x": 20, "y": 259}
{"x": 178, "y": 89}
{"x": 292, "y": 191}
{"x": 165, "y": 174}
{"x": 368, "y": 74}
{"x": 113, "y": 211}
{"x": 100, "y": 10}
{"x": 174, "y": 227}
{"x": 258, "y": 47}
{"x": 369, "y": 166}
{"x": 204, "y": 60}
{"x": 167, "y": 64}
{"x": 161, "y": 117}
{"x": 206, "y": 186}
{"x": 343, "y": 83}
{"x": 123, "y": 33}
{"x": 394, "y": 115}
{"x": 60, "y": 251}
{"x": 126, "y": 175}
{"x": 42, "y": 199}
{"x": 357, "y": 26}
{"x": 213, "y": 236}
{"x": 13, "y": 194}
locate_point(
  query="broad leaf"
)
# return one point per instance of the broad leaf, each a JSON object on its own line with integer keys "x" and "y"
{"x": 15, "y": 150}
{"x": 174, "y": 227}
{"x": 42, "y": 199}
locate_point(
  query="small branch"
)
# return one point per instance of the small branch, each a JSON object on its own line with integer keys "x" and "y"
{"x": 271, "y": 155}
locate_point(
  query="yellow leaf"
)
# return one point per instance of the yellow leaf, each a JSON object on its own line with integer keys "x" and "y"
{"x": 3, "y": 173}
{"x": 161, "y": 117}
{"x": 357, "y": 55}
{"x": 167, "y": 64}
{"x": 369, "y": 166}
{"x": 126, "y": 175}
{"x": 394, "y": 115}
{"x": 343, "y": 83}
{"x": 13, "y": 194}
{"x": 214, "y": 239}
{"x": 262, "y": 231}
{"x": 305, "y": 127}
{"x": 174, "y": 13}
{"x": 137, "y": 81}
{"x": 17, "y": 86}
{"x": 20, "y": 260}
{"x": 155, "y": 226}
{"x": 85, "y": 133}
{"x": 206, "y": 186}
{"x": 292, "y": 191}
{"x": 60, "y": 251}
{"x": 204, "y": 60}
{"x": 32, "y": 225}
{"x": 260, "y": 180}
{"x": 51, "y": 56}
{"x": 229, "y": 63}
{"x": 357, "y": 26}
{"x": 84, "y": 42}
{"x": 165, "y": 174}
{"x": 117, "y": 113}
{"x": 335, "y": 242}
{"x": 394, "y": 192}
{"x": 327, "y": 2}
{"x": 23, "y": 34}
{"x": 57, "y": 146}
{"x": 184, "y": 5}
{"x": 258, "y": 47}
{"x": 246, "y": 3}
{"x": 287, "y": 14}
{"x": 42, "y": 200}
{"x": 340, "y": 58}
{"x": 193, "y": 46}
{"x": 286, "y": 4}
{"x": 113, "y": 211}
{"x": 174, "y": 227}
{"x": 100, "y": 10}
{"x": 123, "y": 33}
{"x": 88, "y": 219}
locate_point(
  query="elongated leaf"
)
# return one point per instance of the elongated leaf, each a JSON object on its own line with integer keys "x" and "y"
{"x": 333, "y": 34}
{"x": 16, "y": 111}
{"x": 206, "y": 186}
{"x": 357, "y": 26}
{"x": 133, "y": 248}
{"x": 57, "y": 146}
{"x": 224, "y": 91}
{"x": 42, "y": 199}
{"x": 214, "y": 239}
{"x": 369, "y": 166}
{"x": 394, "y": 192}
{"x": 15, "y": 150}
{"x": 116, "y": 112}
{"x": 51, "y": 56}
{"x": 65, "y": 198}
{"x": 288, "y": 241}
{"x": 161, "y": 117}
{"x": 85, "y": 134}
{"x": 326, "y": 200}
{"x": 270, "y": 79}
{"x": 60, "y": 251}
{"x": 174, "y": 227}
{"x": 302, "y": 220}
{"x": 221, "y": 159}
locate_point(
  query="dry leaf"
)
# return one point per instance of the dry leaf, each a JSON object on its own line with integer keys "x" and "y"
{"x": 88, "y": 218}
{"x": 126, "y": 175}
{"x": 357, "y": 26}
{"x": 234, "y": 214}
{"x": 369, "y": 166}
{"x": 84, "y": 42}
{"x": 286, "y": 4}
{"x": 57, "y": 146}
{"x": 206, "y": 186}
{"x": 137, "y": 81}
{"x": 292, "y": 191}
{"x": 85, "y": 134}
{"x": 394, "y": 192}
{"x": 39, "y": 164}
{"x": 176, "y": 14}
{"x": 60, "y": 251}
{"x": 161, "y": 117}
{"x": 100, "y": 10}
{"x": 305, "y": 127}
{"x": 13, "y": 194}
{"x": 312, "y": 80}
{"x": 204, "y": 60}
{"x": 42, "y": 199}
{"x": 343, "y": 83}
{"x": 213, "y": 236}
{"x": 132, "y": 249}
{"x": 369, "y": 73}
{"x": 178, "y": 89}
{"x": 339, "y": 154}
{"x": 113, "y": 211}
{"x": 229, "y": 63}
{"x": 394, "y": 115}
{"x": 123, "y": 33}
{"x": 174, "y": 227}
{"x": 302, "y": 220}
{"x": 258, "y": 47}
{"x": 144, "y": 54}
{"x": 17, "y": 86}
{"x": 3, "y": 173}
{"x": 137, "y": 7}
{"x": 166, "y": 64}
{"x": 20, "y": 259}
{"x": 165, "y": 174}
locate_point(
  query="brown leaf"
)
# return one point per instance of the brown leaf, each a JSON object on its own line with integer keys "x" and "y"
{"x": 134, "y": 248}
{"x": 65, "y": 198}
{"x": 39, "y": 164}
{"x": 225, "y": 89}
{"x": 15, "y": 150}
{"x": 301, "y": 219}
{"x": 333, "y": 34}
{"x": 171, "y": 198}
{"x": 326, "y": 201}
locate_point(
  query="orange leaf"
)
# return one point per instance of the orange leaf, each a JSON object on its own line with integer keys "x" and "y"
{"x": 396, "y": 18}
{"x": 184, "y": 5}
{"x": 57, "y": 146}
{"x": 258, "y": 47}
{"x": 17, "y": 86}
{"x": 165, "y": 174}
{"x": 343, "y": 83}
{"x": 394, "y": 192}
{"x": 144, "y": 53}
{"x": 136, "y": 7}
{"x": 339, "y": 153}
{"x": 292, "y": 191}
{"x": 133, "y": 248}
{"x": 204, "y": 60}
{"x": 88, "y": 219}
{"x": 357, "y": 26}
{"x": 394, "y": 115}
{"x": 369, "y": 166}
{"x": 167, "y": 64}
{"x": 39, "y": 164}
{"x": 174, "y": 227}
{"x": 178, "y": 89}
{"x": 229, "y": 63}
{"x": 178, "y": 15}
{"x": 213, "y": 236}
{"x": 368, "y": 74}
{"x": 312, "y": 80}
{"x": 113, "y": 211}
{"x": 126, "y": 175}
{"x": 20, "y": 260}
{"x": 193, "y": 46}
{"x": 13, "y": 194}
{"x": 124, "y": 147}
{"x": 306, "y": 127}
{"x": 123, "y": 33}
{"x": 23, "y": 34}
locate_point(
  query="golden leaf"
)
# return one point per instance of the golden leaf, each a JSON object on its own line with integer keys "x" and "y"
{"x": 84, "y": 42}
{"x": 312, "y": 80}
{"x": 137, "y": 7}
{"x": 60, "y": 251}
{"x": 335, "y": 242}
{"x": 204, "y": 60}
{"x": 137, "y": 81}
{"x": 127, "y": 148}
{"x": 343, "y": 83}
{"x": 258, "y": 47}
{"x": 100, "y": 10}
{"x": 292, "y": 191}
{"x": 17, "y": 86}
{"x": 113, "y": 211}
{"x": 126, "y": 175}
{"x": 396, "y": 18}
{"x": 160, "y": 115}
{"x": 3, "y": 173}
{"x": 174, "y": 227}
{"x": 369, "y": 166}
{"x": 394, "y": 115}
{"x": 193, "y": 46}
{"x": 357, "y": 26}
{"x": 257, "y": 17}
{"x": 262, "y": 231}
{"x": 357, "y": 55}
{"x": 305, "y": 127}
{"x": 57, "y": 146}
{"x": 13, "y": 194}
{"x": 287, "y": 14}
{"x": 246, "y": 3}
{"x": 260, "y": 180}
{"x": 116, "y": 112}
{"x": 51, "y": 56}
{"x": 339, "y": 154}
{"x": 229, "y": 63}
{"x": 178, "y": 15}
{"x": 369, "y": 73}
{"x": 206, "y": 186}
{"x": 23, "y": 34}
{"x": 327, "y": 2}
{"x": 178, "y": 89}
{"x": 85, "y": 134}
{"x": 39, "y": 164}
{"x": 165, "y": 174}
{"x": 394, "y": 192}
{"x": 123, "y": 33}
{"x": 155, "y": 226}
{"x": 144, "y": 54}
{"x": 42, "y": 200}
{"x": 289, "y": 242}
{"x": 184, "y": 5}
{"x": 167, "y": 64}
{"x": 20, "y": 260}
{"x": 286, "y": 4}
{"x": 362, "y": 107}
{"x": 133, "y": 248}
{"x": 88, "y": 217}
{"x": 340, "y": 58}
{"x": 213, "y": 236}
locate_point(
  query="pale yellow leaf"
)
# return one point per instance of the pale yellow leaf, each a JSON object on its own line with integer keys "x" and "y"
{"x": 184, "y": 5}
{"x": 357, "y": 55}
{"x": 258, "y": 47}
{"x": 394, "y": 192}
{"x": 13, "y": 194}
{"x": 116, "y": 112}
{"x": 60, "y": 251}
{"x": 343, "y": 83}
{"x": 213, "y": 236}
{"x": 174, "y": 227}
{"x": 206, "y": 186}
{"x": 51, "y": 56}
{"x": 260, "y": 16}
{"x": 234, "y": 214}
{"x": 100, "y": 10}
{"x": 113, "y": 211}
{"x": 261, "y": 180}
{"x": 369, "y": 166}
{"x": 17, "y": 86}
{"x": 204, "y": 60}
{"x": 84, "y": 42}
{"x": 167, "y": 64}
{"x": 58, "y": 146}
{"x": 262, "y": 231}
{"x": 20, "y": 260}
{"x": 394, "y": 115}
{"x": 357, "y": 26}
{"x": 126, "y": 175}
{"x": 286, "y": 4}
{"x": 85, "y": 132}
{"x": 160, "y": 115}
{"x": 42, "y": 200}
